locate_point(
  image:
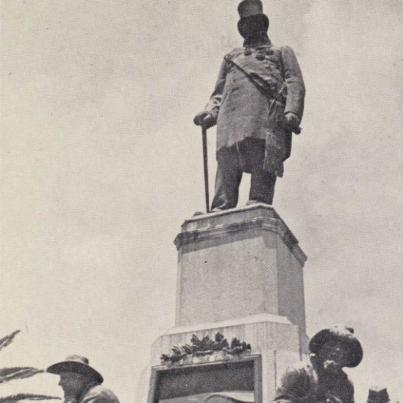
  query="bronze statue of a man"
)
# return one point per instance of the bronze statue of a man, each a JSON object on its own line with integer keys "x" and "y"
{"x": 322, "y": 379}
{"x": 257, "y": 103}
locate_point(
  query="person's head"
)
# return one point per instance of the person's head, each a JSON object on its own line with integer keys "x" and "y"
{"x": 75, "y": 375}
{"x": 73, "y": 384}
{"x": 253, "y": 23}
{"x": 378, "y": 395}
{"x": 335, "y": 348}
{"x": 333, "y": 356}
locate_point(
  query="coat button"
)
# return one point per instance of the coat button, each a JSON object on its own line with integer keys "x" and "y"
{"x": 247, "y": 52}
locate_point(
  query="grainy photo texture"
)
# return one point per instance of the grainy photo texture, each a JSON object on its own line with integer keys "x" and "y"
{"x": 201, "y": 201}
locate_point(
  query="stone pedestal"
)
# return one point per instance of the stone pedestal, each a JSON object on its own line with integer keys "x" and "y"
{"x": 240, "y": 273}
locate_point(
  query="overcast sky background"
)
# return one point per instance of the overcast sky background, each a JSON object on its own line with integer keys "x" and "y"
{"x": 100, "y": 165}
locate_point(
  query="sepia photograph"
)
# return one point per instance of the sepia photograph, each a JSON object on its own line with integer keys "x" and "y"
{"x": 201, "y": 201}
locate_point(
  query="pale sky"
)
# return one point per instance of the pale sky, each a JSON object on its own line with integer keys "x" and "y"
{"x": 100, "y": 165}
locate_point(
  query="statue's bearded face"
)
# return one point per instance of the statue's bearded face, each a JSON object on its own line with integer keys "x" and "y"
{"x": 333, "y": 356}
{"x": 253, "y": 27}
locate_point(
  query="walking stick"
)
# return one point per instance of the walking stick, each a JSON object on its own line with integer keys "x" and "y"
{"x": 205, "y": 168}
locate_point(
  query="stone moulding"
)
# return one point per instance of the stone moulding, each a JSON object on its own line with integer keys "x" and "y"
{"x": 272, "y": 224}
{"x": 206, "y": 350}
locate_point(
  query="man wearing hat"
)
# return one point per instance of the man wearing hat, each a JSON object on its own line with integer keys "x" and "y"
{"x": 322, "y": 380}
{"x": 378, "y": 395}
{"x": 80, "y": 382}
{"x": 257, "y": 103}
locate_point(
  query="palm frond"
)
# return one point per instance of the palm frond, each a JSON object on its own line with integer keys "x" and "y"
{"x": 6, "y": 340}
{"x": 26, "y": 396}
{"x": 9, "y": 374}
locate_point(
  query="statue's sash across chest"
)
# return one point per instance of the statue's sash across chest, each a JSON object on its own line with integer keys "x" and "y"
{"x": 266, "y": 62}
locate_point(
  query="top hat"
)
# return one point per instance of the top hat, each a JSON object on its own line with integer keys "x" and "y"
{"x": 76, "y": 364}
{"x": 249, "y": 8}
{"x": 342, "y": 334}
{"x": 378, "y": 395}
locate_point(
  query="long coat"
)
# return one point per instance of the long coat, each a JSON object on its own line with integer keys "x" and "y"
{"x": 242, "y": 112}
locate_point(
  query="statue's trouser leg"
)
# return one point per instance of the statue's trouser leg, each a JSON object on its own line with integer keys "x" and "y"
{"x": 228, "y": 178}
{"x": 262, "y": 183}
{"x": 262, "y": 186}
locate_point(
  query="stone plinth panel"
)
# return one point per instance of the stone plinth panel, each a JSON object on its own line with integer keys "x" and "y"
{"x": 273, "y": 338}
{"x": 238, "y": 263}
{"x": 240, "y": 273}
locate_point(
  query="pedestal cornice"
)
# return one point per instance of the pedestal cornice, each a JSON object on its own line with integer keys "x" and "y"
{"x": 215, "y": 226}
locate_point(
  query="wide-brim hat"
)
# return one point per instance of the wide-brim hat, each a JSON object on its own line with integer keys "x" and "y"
{"x": 76, "y": 364}
{"x": 342, "y": 334}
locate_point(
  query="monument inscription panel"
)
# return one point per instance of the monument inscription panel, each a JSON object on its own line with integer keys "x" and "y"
{"x": 239, "y": 379}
